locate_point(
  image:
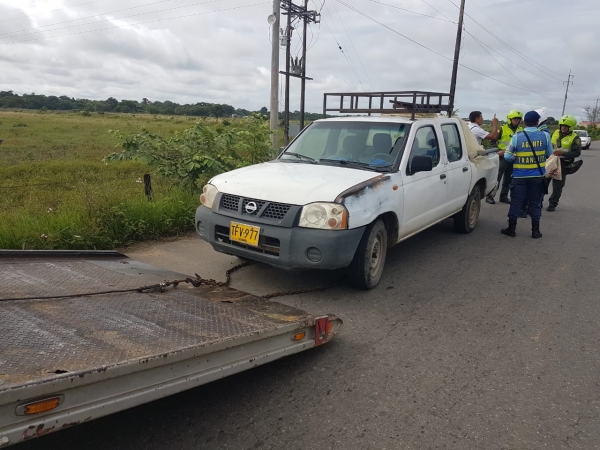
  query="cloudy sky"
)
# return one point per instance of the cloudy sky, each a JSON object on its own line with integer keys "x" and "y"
{"x": 515, "y": 54}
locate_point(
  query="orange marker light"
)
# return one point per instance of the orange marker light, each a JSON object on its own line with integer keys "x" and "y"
{"x": 395, "y": 187}
{"x": 40, "y": 406}
{"x": 298, "y": 336}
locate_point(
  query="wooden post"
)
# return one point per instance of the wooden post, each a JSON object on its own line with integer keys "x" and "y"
{"x": 148, "y": 186}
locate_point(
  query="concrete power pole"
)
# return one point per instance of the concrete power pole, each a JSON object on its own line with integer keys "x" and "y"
{"x": 456, "y": 55}
{"x": 567, "y": 92}
{"x": 303, "y": 79}
{"x": 274, "y": 107}
{"x": 295, "y": 68}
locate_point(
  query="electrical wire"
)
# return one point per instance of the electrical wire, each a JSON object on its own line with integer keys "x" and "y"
{"x": 429, "y": 49}
{"x": 354, "y": 48}
{"x": 105, "y": 20}
{"x": 138, "y": 23}
{"x": 342, "y": 50}
{"x": 518, "y": 52}
{"x": 27, "y": 16}
{"x": 414, "y": 12}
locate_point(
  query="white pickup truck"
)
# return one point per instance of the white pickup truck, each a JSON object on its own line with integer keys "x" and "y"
{"x": 345, "y": 190}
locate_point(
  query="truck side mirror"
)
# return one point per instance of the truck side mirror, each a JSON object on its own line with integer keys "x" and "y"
{"x": 420, "y": 163}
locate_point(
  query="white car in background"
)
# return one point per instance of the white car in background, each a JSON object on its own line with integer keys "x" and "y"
{"x": 586, "y": 140}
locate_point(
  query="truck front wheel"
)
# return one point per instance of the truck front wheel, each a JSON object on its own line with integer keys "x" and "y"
{"x": 367, "y": 266}
{"x": 466, "y": 220}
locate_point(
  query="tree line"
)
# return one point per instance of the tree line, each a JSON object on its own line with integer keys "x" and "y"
{"x": 8, "y": 99}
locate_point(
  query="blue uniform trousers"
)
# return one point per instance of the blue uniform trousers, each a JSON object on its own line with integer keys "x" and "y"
{"x": 528, "y": 190}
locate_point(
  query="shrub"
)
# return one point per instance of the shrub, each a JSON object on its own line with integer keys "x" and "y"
{"x": 192, "y": 156}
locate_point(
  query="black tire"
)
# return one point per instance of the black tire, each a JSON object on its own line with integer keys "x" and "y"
{"x": 466, "y": 220}
{"x": 368, "y": 263}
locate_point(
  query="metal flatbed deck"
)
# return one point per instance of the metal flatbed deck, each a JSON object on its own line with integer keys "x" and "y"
{"x": 122, "y": 349}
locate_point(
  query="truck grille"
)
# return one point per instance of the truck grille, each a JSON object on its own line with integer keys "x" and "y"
{"x": 230, "y": 202}
{"x": 266, "y": 245}
{"x": 276, "y": 211}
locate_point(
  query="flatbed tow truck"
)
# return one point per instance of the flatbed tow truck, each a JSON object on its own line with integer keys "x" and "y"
{"x": 85, "y": 334}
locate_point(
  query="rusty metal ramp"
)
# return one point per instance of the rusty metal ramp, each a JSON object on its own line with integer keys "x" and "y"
{"x": 44, "y": 338}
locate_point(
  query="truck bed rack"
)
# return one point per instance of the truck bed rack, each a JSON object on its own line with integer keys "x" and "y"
{"x": 396, "y": 102}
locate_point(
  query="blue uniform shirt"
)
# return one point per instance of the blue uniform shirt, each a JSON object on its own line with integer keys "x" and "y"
{"x": 522, "y": 155}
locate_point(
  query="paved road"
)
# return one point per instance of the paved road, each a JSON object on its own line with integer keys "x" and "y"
{"x": 476, "y": 342}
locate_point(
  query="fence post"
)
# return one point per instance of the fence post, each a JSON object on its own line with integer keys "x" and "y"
{"x": 148, "y": 186}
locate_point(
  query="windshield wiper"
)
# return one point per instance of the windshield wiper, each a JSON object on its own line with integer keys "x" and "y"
{"x": 345, "y": 162}
{"x": 300, "y": 156}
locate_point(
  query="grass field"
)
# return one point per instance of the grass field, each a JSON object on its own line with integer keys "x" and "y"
{"x": 43, "y": 136}
{"x": 56, "y": 193}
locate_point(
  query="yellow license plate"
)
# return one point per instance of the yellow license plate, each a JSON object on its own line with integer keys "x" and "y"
{"x": 244, "y": 233}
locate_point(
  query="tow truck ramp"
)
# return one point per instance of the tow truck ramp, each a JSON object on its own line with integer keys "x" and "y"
{"x": 68, "y": 356}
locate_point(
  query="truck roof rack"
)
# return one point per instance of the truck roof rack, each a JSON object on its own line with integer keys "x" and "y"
{"x": 396, "y": 102}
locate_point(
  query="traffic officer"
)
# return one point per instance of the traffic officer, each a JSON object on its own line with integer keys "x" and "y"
{"x": 543, "y": 126}
{"x": 567, "y": 145}
{"x": 528, "y": 150}
{"x": 506, "y": 132}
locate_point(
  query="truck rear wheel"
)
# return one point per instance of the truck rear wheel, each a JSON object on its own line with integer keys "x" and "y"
{"x": 466, "y": 220}
{"x": 367, "y": 266}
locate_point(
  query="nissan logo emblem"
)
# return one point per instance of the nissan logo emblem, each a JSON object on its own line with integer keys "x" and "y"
{"x": 250, "y": 207}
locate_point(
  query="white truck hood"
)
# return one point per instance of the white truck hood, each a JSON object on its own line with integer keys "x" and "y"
{"x": 292, "y": 183}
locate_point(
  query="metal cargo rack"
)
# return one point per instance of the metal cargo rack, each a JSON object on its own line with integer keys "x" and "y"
{"x": 397, "y": 102}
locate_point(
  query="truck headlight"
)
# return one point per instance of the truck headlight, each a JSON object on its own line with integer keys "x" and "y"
{"x": 325, "y": 216}
{"x": 209, "y": 192}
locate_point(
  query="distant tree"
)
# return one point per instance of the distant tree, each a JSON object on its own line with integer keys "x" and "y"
{"x": 264, "y": 110}
{"x": 551, "y": 121}
{"x": 592, "y": 114}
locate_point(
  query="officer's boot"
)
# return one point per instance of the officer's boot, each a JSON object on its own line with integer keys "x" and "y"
{"x": 535, "y": 229}
{"x": 510, "y": 231}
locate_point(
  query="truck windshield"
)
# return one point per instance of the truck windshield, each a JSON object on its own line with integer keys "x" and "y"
{"x": 369, "y": 145}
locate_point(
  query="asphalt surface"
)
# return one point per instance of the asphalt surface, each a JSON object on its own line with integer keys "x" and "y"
{"x": 476, "y": 341}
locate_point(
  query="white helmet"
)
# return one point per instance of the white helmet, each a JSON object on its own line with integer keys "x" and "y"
{"x": 542, "y": 113}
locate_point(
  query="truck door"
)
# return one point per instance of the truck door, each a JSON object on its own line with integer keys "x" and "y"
{"x": 458, "y": 168}
{"x": 425, "y": 193}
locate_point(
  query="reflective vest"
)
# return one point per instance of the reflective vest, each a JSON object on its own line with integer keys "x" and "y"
{"x": 524, "y": 164}
{"x": 565, "y": 142}
{"x": 507, "y": 133}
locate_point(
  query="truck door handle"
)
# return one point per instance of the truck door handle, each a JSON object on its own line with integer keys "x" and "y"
{"x": 465, "y": 169}
{"x": 443, "y": 176}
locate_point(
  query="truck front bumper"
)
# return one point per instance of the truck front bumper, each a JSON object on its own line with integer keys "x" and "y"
{"x": 289, "y": 248}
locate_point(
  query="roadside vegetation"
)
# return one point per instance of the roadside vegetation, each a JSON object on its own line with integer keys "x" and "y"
{"x": 60, "y": 189}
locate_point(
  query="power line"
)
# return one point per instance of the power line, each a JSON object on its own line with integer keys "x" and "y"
{"x": 518, "y": 52}
{"x": 106, "y": 20}
{"x": 138, "y": 23}
{"x": 431, "y": 50}
{"x": 354, "y": 48}
{"x": 341, "y": 49}
{"x": 414, "y": 12}
{"x": 27, "y": 16}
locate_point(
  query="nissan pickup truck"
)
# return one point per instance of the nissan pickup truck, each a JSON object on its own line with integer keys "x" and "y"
{"x": 345, "y": 190}
{"x": 90, "y": 333}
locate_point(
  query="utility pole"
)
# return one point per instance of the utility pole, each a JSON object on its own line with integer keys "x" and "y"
{"x": 274, "y": 107}
{"x": 303, "y": 79}
{"x": 286, "y": 115}
{"x": 567, "y": 92}
{"x": 595, "y": 115}
{"x": 295, "y": 68}
{"x": 456, "y": 55}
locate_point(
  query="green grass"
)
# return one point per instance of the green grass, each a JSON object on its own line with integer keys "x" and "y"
{"x": 45, "y": 136}
{"x": 56, "y": 193}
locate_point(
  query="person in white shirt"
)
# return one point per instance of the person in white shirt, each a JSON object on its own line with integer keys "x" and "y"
{"x": 476, "y": 119}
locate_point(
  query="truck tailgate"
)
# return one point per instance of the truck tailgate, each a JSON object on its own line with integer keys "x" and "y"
{"x": 108, "y": 352}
